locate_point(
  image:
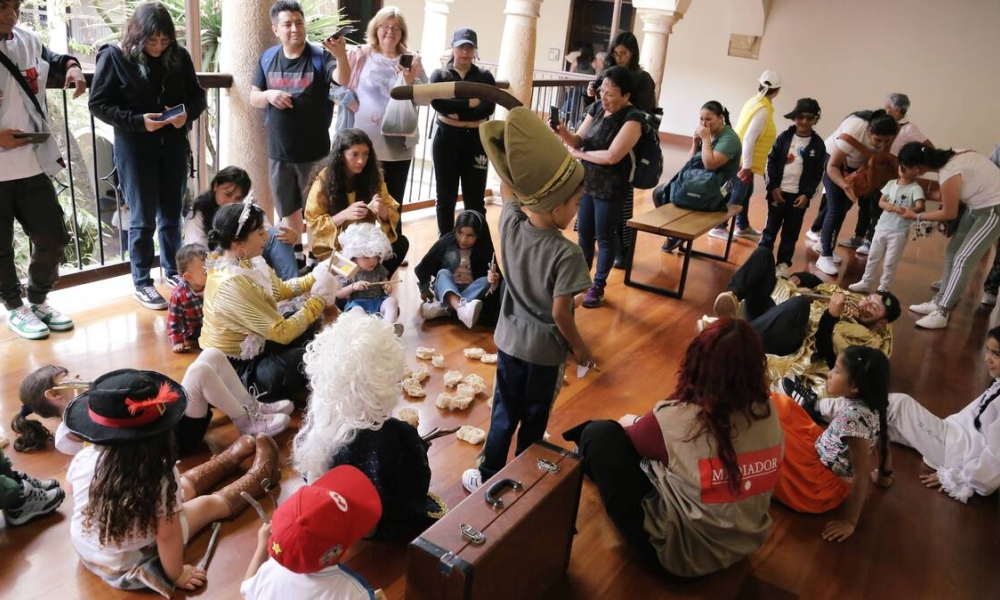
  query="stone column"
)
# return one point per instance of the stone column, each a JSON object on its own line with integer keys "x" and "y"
{"x": 436, "y": 36}
{"x": 658, "y": 19}
{"x": 246, "y": 33}
{"x": 517, "y": 49}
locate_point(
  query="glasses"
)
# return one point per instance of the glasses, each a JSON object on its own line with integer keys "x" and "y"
{"x": 625, "y": 54}
{"x": 390, "y": 29}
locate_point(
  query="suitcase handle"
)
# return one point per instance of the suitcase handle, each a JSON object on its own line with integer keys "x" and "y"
{"x": 497, "y": 488}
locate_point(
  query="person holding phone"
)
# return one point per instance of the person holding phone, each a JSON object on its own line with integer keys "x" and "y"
{"x": 135, "y": 84}
{"x": 26, "y": 191}
{"x": 458, "y": 151}
{"x": 292, "y": 83}
{"x": 375, "y": 67}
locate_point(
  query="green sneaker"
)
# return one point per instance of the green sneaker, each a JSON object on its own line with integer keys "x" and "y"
{"x": 24, "y": 323}
{"x": 52, "y": 317}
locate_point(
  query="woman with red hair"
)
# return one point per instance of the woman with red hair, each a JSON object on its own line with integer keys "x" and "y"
{"x": 688, "y": 484}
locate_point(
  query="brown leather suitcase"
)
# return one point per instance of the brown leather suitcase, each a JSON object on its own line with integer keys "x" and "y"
{"x": 509, "y": 540}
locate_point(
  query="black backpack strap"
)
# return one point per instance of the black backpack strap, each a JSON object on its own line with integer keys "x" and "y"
{"x": 24, "y": 83}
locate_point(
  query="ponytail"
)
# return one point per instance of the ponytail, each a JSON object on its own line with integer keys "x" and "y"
{"x": 717, "y": 108}
{"x": 916, "y": 154}
{"x": 868, "y": 371}
{"x": 31, "y": 434}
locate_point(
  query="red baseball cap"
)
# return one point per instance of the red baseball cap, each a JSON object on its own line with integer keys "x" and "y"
{"x": 314, "y": 528}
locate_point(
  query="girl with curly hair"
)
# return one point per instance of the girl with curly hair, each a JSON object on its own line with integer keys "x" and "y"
{"x": 350, "y": 188}
{"x": 688, "y": 484}
{"x": 130, "y": 520}
{"x": 354, "y": 367}
{"x": 367, "y": 290}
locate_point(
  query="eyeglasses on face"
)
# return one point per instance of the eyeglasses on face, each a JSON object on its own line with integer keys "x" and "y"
{"x": 390, "y": 29}
{"x": 624, "y": 54}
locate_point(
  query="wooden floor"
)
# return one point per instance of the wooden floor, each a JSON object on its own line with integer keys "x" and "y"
{"x": 911, "y": 542}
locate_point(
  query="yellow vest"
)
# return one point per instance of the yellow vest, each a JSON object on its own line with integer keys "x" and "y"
{"x": 766, "y": 138}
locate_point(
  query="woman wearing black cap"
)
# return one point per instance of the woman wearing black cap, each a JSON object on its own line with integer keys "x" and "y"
{"x": 458, "y": 153}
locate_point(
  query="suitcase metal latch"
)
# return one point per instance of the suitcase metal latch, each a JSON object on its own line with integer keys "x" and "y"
{"x": 475, "y": 537}
{"x": 549, "y": 466}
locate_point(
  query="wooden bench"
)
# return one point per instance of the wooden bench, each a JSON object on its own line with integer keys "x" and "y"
{"x": 684, "y": 224}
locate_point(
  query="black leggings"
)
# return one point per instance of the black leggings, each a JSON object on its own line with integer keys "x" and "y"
{"x": 458, "y": 157}
{"x": 781, "y": 328}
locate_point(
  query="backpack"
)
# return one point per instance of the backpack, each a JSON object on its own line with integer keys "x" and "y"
{"x": 647, "y": 158}
{"x": 879, "y": 169}
{"x": 317, "y": 61}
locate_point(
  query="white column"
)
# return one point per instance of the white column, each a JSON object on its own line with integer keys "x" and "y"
{"x": 658, "y": 19}
{"x": 244, "y": 137}
{"x": 436, "y": 36}
{"x": 517, "y": 49}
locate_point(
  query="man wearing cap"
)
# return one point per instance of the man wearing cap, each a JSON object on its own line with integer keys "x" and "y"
{"x": 804, "y": 332}
{"x": 458, "y": 152}
{"x": 298, "y": 554}
{"x": 757, "y": 132}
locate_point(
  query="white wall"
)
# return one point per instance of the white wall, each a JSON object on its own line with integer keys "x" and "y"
{"x": 848, "y": 55}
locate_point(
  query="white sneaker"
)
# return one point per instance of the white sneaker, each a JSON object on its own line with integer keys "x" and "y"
{"x": 472, "y": 480}
{"x": 864, "y": 249}
{"x": 925, "y": 308}
{"x": 818, "y": 249}
{"x": 860, "y": 287}
{"x": 782, "y": 270}
{"x": 748, "y": 234}
{"x": 26, "y": 324}
{"x": 719, "y": 234}
{"x": 36, "y": 502}
{"x": 989, "y": 299}
{"x": 468, "y": 312}
{"x": 433, "y": 310}
{"x": 704, "y": 322}
{"x": 255, "y": 422}
{"x": 55, "y": 320}
{"x": 812, "y": 235}
{"x": 936, "y": 320}
{"x": 827, "y": 265}
{"x": 285, "y": 407}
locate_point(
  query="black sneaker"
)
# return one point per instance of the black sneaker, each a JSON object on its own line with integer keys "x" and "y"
{"x": 804, "y": 396}
{"x": 671, "y": 244}
{"x": 147, "y": 296}
{"x": 172, "y": 281}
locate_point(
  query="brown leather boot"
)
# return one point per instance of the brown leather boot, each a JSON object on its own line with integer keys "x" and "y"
{"x": 264, "y": 475}
{"x": 207, "y": 475}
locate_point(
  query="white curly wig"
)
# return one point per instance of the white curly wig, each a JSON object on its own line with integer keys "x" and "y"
{"x": 363, "y": 240}
{"x": 354, "y": 367}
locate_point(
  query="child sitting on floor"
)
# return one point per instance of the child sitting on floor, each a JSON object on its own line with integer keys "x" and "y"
{"x": 891, "y": 230}
{"x": 461, "y": 266}
{"x": 824, "y": 469}
{"x": 184, "y": 313}
{"x": 130, "y": 517}
{"x": 308, "y": 537}
{"x": 368, "y": 289}
{"x": 22, "y": 497}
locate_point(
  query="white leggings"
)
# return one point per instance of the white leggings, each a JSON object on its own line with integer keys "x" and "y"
{"x": 909, "y": 423}
{"x": 211, "y": 380}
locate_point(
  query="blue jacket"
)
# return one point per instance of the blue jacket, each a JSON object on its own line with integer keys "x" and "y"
{"x": 813, "y": 163}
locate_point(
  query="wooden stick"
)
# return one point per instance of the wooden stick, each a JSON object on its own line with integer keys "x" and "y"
{"x": 400, "y": 280}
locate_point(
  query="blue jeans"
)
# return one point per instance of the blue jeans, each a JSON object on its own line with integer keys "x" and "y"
{"x": 523, "y": 394}
{"x": 600, "y": 219}
{"x": 837, "y": 206}
{"x": 444, "y": 283}
{"x": 280, "y": 256}
{"x": 152, "y": 177}
{"x": 741, "y": 194}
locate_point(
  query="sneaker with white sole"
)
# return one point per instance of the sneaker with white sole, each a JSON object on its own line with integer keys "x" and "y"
{"x": 748, "y": 233}
{"x": 827, "y": 264}
{"x": 42, "y": 484}
{"x": 860, "y": 287}
{"x": 936, "y": 320}
{"x": 818, "y": 249}
{"x": 172, "y": 281}
{"x": 472, "y": 480}
{"x": 719, "y": 234}
{"x": 864, "y": 249}
{"x": 925, "y": 308}
{"x": 854, "y": 242}
{"x": 26, "y": 324}
{"x": 593, "y": 297}
{"x": 813, "y": 235}
{"x": 468, "y": 312}
{"x": 704, "y": 322}
{"x": 284, "y": 407}
{"x": 255, "y": 422}
{"x": 726, "y": 306}
{"x": 149, "y": 297}
{"x": 782, "y": 270}
{"x": 35, "y": 502}
{"x": 55, "y": 320}
{"x": 989, "y": 299}
{"x": 433, "y": 310}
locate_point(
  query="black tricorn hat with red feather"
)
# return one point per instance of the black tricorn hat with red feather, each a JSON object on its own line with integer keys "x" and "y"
{"x": 126, "y": 405}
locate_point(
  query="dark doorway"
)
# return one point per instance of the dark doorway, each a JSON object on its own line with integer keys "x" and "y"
{"x": 591, "y": 22}
{"x": 360, "y": 12}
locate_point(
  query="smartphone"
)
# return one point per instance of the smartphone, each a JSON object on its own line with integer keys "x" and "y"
{"x": 406, "y": 61}
{"x": 341, "y": 32}
{"x": 553, "y": 117}
{"x": 33, "y": 138}
{"x": 171, "y": 113}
